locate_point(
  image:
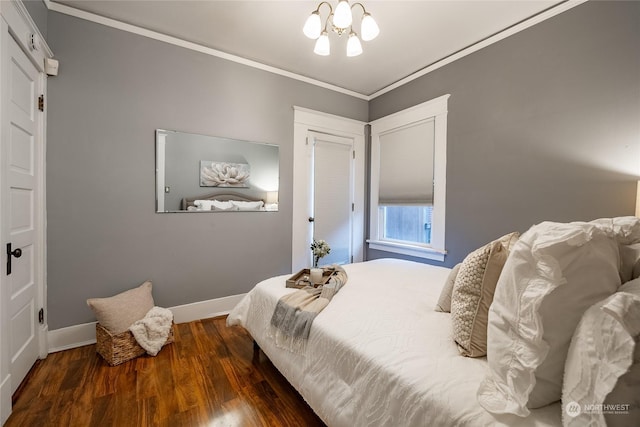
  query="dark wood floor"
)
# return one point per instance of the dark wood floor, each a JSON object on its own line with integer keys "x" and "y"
{"x": 210, "y": 376}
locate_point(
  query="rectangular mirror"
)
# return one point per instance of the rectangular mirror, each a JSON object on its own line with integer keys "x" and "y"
{"x": 199, "y": 173}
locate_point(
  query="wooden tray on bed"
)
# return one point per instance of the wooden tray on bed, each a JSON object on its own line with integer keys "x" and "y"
{"x": 298, "y": 279}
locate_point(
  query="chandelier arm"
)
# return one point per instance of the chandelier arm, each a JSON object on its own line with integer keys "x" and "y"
{"x": 329, "y": 16}
{"x": 361, "y": 5}
{"x": 328, "y": 4}
{"x": 326, "y": 22}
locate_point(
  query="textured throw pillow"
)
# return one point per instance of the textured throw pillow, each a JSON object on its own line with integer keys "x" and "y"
{"x": 606, "y": 338}
{"x": 444, "y": 302}
{"x": 118, "y": 312}
{"x": 553, "y": 275}
{"x": 473, "y": 292}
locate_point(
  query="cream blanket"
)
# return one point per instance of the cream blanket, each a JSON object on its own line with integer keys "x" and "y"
{"x": 294, "y": 313}
{"x": 152, "y": 331}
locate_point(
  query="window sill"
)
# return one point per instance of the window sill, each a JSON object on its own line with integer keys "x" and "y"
{"x": 406, "y": 249}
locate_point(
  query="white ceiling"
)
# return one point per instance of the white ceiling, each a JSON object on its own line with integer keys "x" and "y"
{"x": 413, "y": 34}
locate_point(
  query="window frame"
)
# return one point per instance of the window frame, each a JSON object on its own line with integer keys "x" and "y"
{"x": 436, "y": 110}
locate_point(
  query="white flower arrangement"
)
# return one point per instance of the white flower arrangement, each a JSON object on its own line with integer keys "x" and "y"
{"x": 319, "y": 248}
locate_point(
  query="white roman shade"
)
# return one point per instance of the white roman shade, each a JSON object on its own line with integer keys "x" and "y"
{"x": 406, "y": 165}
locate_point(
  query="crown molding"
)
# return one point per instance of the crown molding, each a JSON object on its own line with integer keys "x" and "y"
{"x": 536, "y": 19}
{"x": 516, "y": 28}
{"x": 87, "y": 16}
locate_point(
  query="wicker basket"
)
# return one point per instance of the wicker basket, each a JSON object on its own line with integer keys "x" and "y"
{"x": 119, "y": 348}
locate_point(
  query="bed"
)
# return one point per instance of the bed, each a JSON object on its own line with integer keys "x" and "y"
{"x": 379, "y": 355}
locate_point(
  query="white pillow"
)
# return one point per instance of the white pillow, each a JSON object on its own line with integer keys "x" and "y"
{"x": 203, "y": 205}
{"x": 629, "y": 262}
{"x": 603, "y": 364}
{"x": 223, "y": 206}
{"x": 625, "y": 229}
{"x": 248, "y": 206}
{"x": 552, "y": 276}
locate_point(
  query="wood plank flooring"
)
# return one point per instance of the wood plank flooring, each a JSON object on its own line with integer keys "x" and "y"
{"x": 210, "y": 376}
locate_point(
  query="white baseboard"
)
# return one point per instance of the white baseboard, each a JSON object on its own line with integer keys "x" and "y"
{"x": 5, "y": 399}
{"x": 85, "y": 334}
{"x": 205, "y": 309}
{"x": 71, "y": 337}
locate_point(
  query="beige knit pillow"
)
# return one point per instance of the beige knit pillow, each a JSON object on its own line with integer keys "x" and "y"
{"x": 118, "y": 312}
{"x": 473, "y": 293}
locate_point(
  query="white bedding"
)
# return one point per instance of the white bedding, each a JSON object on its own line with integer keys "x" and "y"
{"x": 379, "y": 355}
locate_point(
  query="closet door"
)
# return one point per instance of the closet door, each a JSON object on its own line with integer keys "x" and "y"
{"x": 333, "y": 195}
{"x": 21, "y": 148}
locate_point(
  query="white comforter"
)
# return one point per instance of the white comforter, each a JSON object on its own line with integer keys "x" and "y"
{"x": 379, "y": 355}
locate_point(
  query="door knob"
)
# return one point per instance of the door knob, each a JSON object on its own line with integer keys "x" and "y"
{"x": 15, "y": 253}
{"x": 311, "y": 219}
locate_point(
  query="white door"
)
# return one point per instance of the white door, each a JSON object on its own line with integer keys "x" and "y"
{"x": 21, "y": 146}
{"x": 332, "y": 210}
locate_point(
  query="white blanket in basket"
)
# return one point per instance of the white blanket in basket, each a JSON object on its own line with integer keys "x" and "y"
{"x": 152, "y": 331}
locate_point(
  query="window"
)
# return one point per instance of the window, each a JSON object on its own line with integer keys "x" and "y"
{"x": 408, "y": 172}
{"x": 406, "y": 223}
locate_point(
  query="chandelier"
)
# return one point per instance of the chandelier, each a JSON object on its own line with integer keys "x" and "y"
{"x": 340, "y": 22}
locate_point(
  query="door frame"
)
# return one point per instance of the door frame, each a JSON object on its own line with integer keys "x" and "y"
{"x": 16, "y": 23}
{"x": 305, "y": 121}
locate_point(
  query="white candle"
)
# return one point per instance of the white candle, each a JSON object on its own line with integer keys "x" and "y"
{"x": 316, "y": 275}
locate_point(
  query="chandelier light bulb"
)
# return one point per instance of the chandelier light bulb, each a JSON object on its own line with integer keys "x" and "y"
{"x": 369, "y": 28}
{"x": 323, "y": 47}
{"x": 313, "y": 26}
{"x": 342, "y": 17}
{"x": 354, "y": 48}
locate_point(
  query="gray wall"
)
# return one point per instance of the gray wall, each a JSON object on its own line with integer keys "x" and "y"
{"x": 113, "y": 90}
{"x": 543, "y": 125}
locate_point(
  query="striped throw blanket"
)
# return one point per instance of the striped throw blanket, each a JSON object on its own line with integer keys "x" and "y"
{"x": 294, "y": 313}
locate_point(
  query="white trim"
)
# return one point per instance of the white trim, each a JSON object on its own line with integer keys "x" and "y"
{"x": 205, "y": 309}
{"x": 536, "y": 19}
{"x": 413, "y": 114}
{"x": 85, "y": 334}
{"x": 5, "y": 354}
{"x": 42, "y": 43}
{"x": 71, "y": 337}
{"x": 21, "y": 26}
{"x": 415, "y": 251}
{"x": 305, "y": 121}
{"x": 320, "y": 119}
{"x": 437, "y": 109}
{"x": 161, "y": 142}
{"x": 542, "y": 16}
{"x": 67, "y": 10}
